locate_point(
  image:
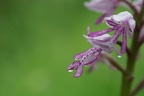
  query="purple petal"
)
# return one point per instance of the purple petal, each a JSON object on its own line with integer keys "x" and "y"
{"x": 72, "y": 66}
{"x": 102, "y": 6}
{"x": 98, "y": 33}
{"x": 78, "y": 72}
{"x": 124, "y": 41}
{"x": 131, "y": 24}
{"x": 116, "y": 35}
{"x": 103, "y": 42}
{"x": 77, "y": 56}
{"x": 95, "y": 58}
{"x": 103, "y": 37}
{"x": 111, "y": 23}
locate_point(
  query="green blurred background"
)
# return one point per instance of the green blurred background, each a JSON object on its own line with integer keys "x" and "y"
{"x": 38, "y": 39}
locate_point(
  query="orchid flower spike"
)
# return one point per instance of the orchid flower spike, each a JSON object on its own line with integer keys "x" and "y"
{"x": 121, "y": 23}
{"x": 106, "y": 7}
{"x": 99, "y": 44}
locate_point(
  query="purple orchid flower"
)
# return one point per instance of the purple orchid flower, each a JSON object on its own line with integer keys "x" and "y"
{"x": 85, "y": 58}
{"x": 106, "y": 7}
{"x": 121, "y": 23}
{"x": 100, "y": 44}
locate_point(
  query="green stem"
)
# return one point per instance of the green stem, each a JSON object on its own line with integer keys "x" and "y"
{"x": 127, "y": 78}
{"x": 130, "y": 5}
{"x": 113, "y": 62}
{"x": 138, "y": 88}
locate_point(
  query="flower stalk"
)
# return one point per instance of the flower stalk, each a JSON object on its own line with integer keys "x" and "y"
{"x": 138, "y": 88}
{"x": 130, "y": 5}
{"x": 114, "y": 63}
{"x": 126, "y": 79}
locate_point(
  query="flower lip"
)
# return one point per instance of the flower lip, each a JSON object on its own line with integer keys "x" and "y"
{"x": 78, "y": 72}
{"x": 85, "y": 58}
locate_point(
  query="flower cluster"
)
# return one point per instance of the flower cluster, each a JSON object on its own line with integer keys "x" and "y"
{"x": 102, "y": 42}
{"x": 122, "y": 24}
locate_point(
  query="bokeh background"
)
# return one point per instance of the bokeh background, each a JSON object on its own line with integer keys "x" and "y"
{"x": 38, "y": 39}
